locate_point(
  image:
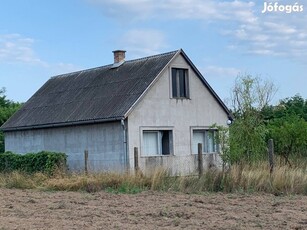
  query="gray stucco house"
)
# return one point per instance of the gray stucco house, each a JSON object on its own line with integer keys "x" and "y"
{"x": 160, "y": 104}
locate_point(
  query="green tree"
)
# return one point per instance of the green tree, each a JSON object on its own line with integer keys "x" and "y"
{"x": 7, "y": 109}
{"x": 290, "y": 136}
{"x": 287, "y": 125}
{"x": 248, "y": 131}
{"x": 295, "y": 105}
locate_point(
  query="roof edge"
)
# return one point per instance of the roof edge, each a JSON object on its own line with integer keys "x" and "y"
{"x": 62, "y": 124}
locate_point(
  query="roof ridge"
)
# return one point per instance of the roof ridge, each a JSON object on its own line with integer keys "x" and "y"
{"x": 110, "y": 65}
{"x": 153, "y": 56}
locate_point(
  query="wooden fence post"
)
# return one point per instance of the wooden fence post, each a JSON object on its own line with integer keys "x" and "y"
{"x": 200, "y": 160}
{"x": 136, "y": 159}
{"x": 85, "y": 161}
{"x": 271, "y": 155}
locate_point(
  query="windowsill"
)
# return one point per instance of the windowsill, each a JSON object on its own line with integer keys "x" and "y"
{"x": 181, "y": 98}
{"x": 170, "y": 155}
{"x": 205, "y": 153}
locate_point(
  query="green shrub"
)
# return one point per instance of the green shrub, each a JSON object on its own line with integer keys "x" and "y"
{"x": 46, "y": 162}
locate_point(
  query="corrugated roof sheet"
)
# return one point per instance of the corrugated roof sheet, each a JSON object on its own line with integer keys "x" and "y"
{"x": 92, "y": 95}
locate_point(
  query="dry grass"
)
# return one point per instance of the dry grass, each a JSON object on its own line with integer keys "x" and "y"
{"x": 97, "y": 181}
{"x": 284, "y": 179}
{"x": 22, "y": 180}
{"x": 240, "y": 178}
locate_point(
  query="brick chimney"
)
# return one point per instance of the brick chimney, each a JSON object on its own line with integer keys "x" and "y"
{"x": 119, "y": 56}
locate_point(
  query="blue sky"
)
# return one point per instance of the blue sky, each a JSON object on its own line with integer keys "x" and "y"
{"x": 40, "y": 39}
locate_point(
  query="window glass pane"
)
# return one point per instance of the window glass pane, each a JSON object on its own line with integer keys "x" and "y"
{"x": 186, "y": 84}
{"x": 207, "y": 139}
{"x": 179, "y": 82}
{"x": 198, "y": 137}
{"x": 165, "y": 142}
{"x": 210, "y": 141}
{"x": 157, "y": 143}
{"x": 150, "y": 143}
{"x": 182, "y": 83}
{"x": 174, "y": 82}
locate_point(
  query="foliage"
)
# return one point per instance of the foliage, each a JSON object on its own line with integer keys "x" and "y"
{"x": 247, "y": 141}
{"x": 288, "y": 107}
{"x": 7, "y": 109}
{"x": 222, "y": 139}
{"x": 250, "y": 95}
{"x": 46, "y": 162}
{"x": 256, "y": 121}
{"x": 247, "y": 133}
{"x": 290, "y": 136}
{"x": 287, "y": 126}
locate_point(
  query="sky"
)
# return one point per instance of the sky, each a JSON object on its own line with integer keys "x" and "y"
{"x": 223, "y": 38}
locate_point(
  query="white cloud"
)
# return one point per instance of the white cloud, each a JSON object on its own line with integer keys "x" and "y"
{"x": 174, "y": 9}
{"x": 276, "y": 34}
{"x": 220, "y": 71}
{"x": 124, "y": 10}
{"x": 143, "y": 42}
{"x": 279, "y": 28}
{"x": 60, "y": 68}
{"x": 15, "y": 48}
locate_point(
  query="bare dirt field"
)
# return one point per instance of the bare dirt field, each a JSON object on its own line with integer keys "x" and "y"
{"x": 29, "y": 209}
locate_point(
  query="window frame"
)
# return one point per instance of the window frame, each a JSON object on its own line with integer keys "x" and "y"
{"x": 205, "y": 130}
{"x": 159, "y": 144}
{"x": 177, "y": 83}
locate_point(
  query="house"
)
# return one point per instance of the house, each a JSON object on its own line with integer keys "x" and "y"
{"x": 160, "y": 105}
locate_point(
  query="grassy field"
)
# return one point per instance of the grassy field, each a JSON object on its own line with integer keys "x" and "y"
{"x": 240, "y": 178}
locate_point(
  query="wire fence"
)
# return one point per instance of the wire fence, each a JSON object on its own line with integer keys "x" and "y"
{"x": 189, "y": 164}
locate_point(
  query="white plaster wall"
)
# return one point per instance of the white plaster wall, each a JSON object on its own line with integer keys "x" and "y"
{"x": 157, "y": 109}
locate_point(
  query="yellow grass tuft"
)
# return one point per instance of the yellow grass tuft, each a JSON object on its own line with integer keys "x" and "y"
{"x": 17, "y": 180}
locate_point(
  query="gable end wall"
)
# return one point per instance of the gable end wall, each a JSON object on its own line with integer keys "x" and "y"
{"x": 158, "y": 110}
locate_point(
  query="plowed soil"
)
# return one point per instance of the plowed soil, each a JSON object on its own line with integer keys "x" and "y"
{"x": 29, "y": 209}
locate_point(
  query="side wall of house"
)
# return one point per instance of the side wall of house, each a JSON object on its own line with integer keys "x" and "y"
{"x": 157, "y": 110}
{"x": 104, "y": 142}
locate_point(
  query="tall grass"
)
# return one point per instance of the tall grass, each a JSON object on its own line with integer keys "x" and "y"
{"x": 239, "y": 178}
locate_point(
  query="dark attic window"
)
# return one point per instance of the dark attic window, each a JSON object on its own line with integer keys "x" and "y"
{"x": 180, "y": 84}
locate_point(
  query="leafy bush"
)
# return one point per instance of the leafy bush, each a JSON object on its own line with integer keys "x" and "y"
{"x": 46, "y": 162}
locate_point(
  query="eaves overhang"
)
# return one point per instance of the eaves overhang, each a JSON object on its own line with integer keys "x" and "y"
{"x": 62, "y": 124}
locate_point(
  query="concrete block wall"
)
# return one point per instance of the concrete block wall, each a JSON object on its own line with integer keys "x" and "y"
{"x": 104, "y": 142}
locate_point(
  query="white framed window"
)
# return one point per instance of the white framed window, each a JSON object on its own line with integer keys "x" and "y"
{"x": 179, "y": 83}
{"x": 157, "y": 142}
{"x": 207, "y": 137}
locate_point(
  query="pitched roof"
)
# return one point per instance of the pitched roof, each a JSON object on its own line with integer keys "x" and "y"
{"x": 94, "y": 95}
